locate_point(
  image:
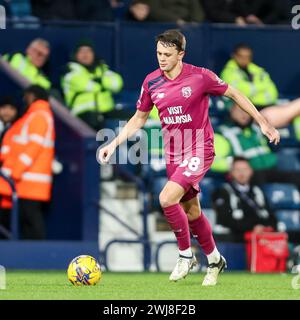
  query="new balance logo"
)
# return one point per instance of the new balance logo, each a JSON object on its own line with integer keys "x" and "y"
{"x": 160, "y": 95}
{"x": 220, "y": 81}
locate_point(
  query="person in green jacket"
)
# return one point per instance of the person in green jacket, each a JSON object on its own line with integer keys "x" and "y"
{"x": 88, "y": 86}
{"x": 239, "y": 136}
{"x": 258, "y": 86}
{"x": 31, "y": 63}
{"x": 245, "y": 140}
{"x": 249, "y": 78}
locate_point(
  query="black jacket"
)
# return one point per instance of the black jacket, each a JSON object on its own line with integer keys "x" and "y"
{"x": 240, "y": 212}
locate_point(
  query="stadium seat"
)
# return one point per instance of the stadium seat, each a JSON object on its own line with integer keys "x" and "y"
{"x": 156, "y": 168}
{"x": 287, "y": 138}
{"x": 288, "y": 220}
{"x": 155, "y": 189}
{"x": 127, "y": 99}
{"x": 112, "y": 127}
{"x": 215, "y": 121}
{"x": 211, "y": 216}
{"x": 288, "y": 159}
{"x": 217, "y": 106}
{"x": 282, "y": 196}
{"x": 208, "y": 186}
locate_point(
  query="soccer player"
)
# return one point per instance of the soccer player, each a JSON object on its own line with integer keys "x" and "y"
{"x": 181, "y": 92}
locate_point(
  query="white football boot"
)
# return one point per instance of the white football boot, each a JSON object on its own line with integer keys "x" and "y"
{"x": 182, "y": 268}
{"x": 213, "y": 271}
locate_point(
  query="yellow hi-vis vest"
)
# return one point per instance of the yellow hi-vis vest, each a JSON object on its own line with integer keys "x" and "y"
{"x": 261, "y": 90}
{"x": 22, "y": 63}
{"x": 86, "y": 90}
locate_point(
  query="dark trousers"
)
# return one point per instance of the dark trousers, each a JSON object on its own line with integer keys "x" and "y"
{"x": 32, "y": 224}
{"x": 31, "y": 220}
{"x": 4, "y": 223}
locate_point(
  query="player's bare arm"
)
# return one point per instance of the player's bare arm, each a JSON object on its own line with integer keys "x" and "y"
{"x": 243, "y": 102}
{"x": 135, "y": 123}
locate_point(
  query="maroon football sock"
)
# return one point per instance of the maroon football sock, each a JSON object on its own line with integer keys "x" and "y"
{"x": 179, "y": 224}
{"x": 202, "y": 231}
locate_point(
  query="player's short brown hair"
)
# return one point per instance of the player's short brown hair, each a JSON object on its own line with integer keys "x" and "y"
{"x": 171, "y": 38}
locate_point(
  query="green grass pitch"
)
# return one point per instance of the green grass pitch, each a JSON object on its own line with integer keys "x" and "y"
{"x": 44, "y": 285}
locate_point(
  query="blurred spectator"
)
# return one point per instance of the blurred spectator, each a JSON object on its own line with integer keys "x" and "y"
{"x": 31, "y": 63}
{"x": 88, "y": 85}
{"x": 93, "y": 10}
{"x": 267, "y": 11}
{"x": 53, "y": 9}
{"x": 88, "y": 10}
{"x": 243, "y": 12}
{"x": 249, "y": 78}
{"x": 243, "y": 138}
{"x": 178, "y": 11}
{"x": 241, "y": 206}
{"x": 139, "y": 10}
{"x": 27, "y": 153}
{"x": 116, "y": 3}
{"x": 258, "y": 86}
{"x": 227, "y": 11}
{"x": 8, "y": 114}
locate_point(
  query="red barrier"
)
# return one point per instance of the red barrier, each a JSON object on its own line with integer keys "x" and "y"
{"x": 266, "y": 251}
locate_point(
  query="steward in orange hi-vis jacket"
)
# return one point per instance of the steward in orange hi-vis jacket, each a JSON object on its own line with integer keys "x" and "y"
{"x": 28, "y": 151}
{"x": 26, "y": 154}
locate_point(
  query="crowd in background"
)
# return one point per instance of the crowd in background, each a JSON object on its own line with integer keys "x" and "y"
{"x": 88, "y": 85}
{"x": 87, "y": 88}
{"x": 240, "y": 12}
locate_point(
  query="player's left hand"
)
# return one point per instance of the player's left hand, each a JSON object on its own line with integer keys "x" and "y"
{"x": 270, "y": 132}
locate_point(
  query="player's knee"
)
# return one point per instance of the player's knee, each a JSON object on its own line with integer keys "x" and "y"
{"x": 165, "y": 200}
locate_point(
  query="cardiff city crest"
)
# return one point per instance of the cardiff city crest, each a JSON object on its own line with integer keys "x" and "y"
{"x": 186, "y": 92}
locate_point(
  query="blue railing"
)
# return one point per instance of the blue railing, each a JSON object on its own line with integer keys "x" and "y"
{"x": 141, "y": 238}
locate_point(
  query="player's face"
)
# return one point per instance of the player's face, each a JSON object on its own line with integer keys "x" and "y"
{"x": 243, "y": 57}
{"x": 241, "y": 172}
{"x": 168, "y": 57}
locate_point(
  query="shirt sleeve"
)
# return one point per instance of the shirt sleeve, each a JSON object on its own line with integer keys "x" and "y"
{"x": 213, "y": 84}
{"x": 144, "y": 102}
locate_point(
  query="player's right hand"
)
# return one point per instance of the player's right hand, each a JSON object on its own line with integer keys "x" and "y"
{"x": 105, "y": 154}
{"x": 271, "y": 133}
